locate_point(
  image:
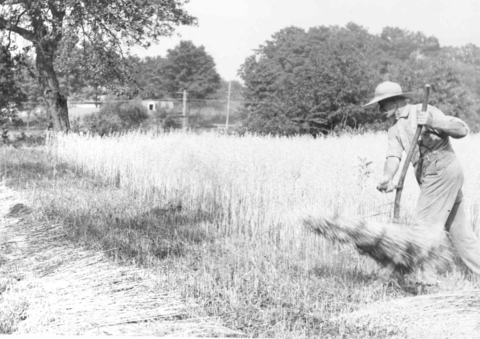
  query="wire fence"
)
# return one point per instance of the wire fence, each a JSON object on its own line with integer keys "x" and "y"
{"x": 215, "y": 113}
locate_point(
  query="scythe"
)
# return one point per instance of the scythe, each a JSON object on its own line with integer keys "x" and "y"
{"x": 401, "y": 180}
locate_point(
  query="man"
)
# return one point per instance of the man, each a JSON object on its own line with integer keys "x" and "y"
{"x": 437, "y": 169}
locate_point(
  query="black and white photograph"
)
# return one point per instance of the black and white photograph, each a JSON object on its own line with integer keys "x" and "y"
{"x": 240, "y": 169}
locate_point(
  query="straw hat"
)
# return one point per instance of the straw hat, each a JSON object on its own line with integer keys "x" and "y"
{"x": 387, "y": 90}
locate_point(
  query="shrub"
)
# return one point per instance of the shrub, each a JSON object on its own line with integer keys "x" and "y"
{"x": 116, "y": 116}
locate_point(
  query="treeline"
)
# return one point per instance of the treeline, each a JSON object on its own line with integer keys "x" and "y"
{"x": 300, "y": 81}
{"x": 185, "y": 67}
{"x": 315, "y": 81}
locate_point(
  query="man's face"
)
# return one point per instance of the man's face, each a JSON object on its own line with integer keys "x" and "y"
{"x": 388, "y": 107}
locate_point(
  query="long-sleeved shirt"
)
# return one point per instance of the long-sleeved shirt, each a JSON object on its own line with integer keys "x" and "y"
{"x": 431, "y": 140}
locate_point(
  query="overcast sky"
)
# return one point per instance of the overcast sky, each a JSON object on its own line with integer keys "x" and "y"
{"x": 230, "y": 29}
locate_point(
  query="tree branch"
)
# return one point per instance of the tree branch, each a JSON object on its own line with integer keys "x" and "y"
{"x": 24, "y": 33}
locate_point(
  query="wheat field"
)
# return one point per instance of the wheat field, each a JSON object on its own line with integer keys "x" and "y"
{"x": 251, "y": 183}
{"x": 217, "y": 212}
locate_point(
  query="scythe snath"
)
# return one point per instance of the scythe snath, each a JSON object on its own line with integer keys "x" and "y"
{"x": 399, "y": 186}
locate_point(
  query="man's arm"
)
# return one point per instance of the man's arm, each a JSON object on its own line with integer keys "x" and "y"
{"x": 435, "y": 119}
{"x": 389, "y": 170}
{"x": 453, "y": 127}
{"x": 394, "y": 155}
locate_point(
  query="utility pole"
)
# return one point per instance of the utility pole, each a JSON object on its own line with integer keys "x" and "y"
{"x": 184, "y": 111}
{"x": 228, "y": 103}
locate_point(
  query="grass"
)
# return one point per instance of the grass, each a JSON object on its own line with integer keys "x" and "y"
{"x": 212, "y": 215}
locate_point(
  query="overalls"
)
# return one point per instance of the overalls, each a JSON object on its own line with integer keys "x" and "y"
{"x": 440, "y": 176}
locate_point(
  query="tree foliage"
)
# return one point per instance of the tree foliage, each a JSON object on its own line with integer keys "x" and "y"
{"x": 449, "y": 92}
{"x": 149, "y": 77}
{"x": 191, "y": 68}
{"x": 316, "y": 81}
{"x": 185, "y": 67}
{"x": 10, "y": 93}
{"x": 306, "y": 82}
{"x": 95, "y": 34}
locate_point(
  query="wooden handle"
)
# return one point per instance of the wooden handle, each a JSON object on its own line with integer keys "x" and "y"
{"x": 401, "y": 180}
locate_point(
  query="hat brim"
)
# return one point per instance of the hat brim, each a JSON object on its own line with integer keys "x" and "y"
{"x": 387, "y": 96}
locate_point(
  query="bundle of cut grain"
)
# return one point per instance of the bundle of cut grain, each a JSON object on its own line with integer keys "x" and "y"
{"x": 402, "y": 247}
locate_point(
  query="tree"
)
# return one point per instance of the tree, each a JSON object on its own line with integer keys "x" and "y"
{"x": 400, "y": 43}
{"x": 190, "y": 68}
{"x": 102, "y": 29}
{"x": 395, "y": 46}
{"x": 149, "y": 76}
{"x": 316, "y": 81}
{"x": 448, "y": 91}
{"x": 308, "y": 82}
{"x": 468, "y": 58}
{"x": 263, "y": 73}
{"x": 10, "y": 93}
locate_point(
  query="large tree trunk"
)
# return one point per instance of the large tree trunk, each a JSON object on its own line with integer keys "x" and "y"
{"x": 56, "y": 102}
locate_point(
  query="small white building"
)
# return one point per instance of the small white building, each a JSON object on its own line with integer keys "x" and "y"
{"x": 154, "y": 105}
{"x": 78, "y": 109}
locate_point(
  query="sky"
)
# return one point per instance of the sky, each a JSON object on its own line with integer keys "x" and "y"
{"x": 231, "y": 29}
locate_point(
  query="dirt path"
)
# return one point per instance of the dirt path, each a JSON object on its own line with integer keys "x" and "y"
{"x": 48, "y": 285}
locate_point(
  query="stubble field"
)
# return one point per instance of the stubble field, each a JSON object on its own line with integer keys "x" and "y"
{"x": 215, "y": 216}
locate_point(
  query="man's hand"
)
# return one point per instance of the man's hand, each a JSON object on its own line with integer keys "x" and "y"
{"x": 385, "y": 185}
{"x": 424, "y": 118}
